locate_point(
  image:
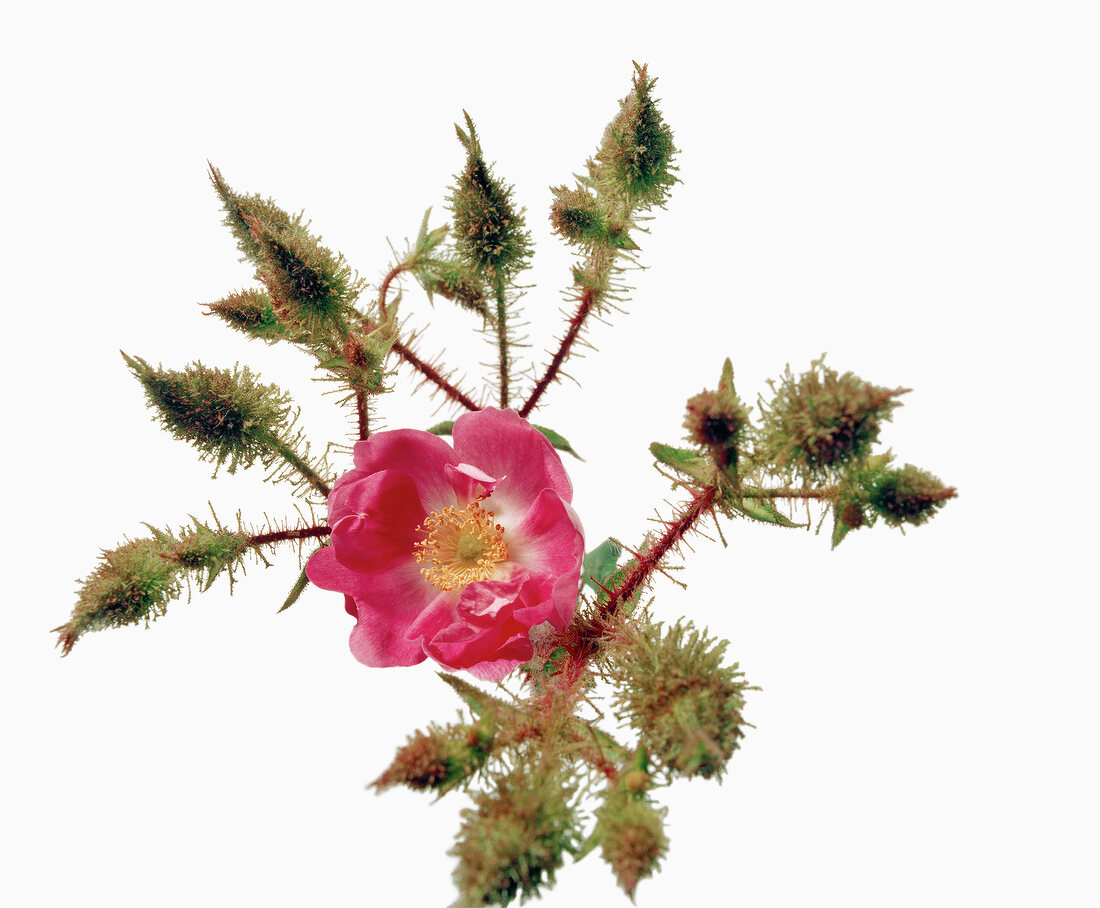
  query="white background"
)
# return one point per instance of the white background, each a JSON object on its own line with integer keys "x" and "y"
{"x": 911, "y": 187}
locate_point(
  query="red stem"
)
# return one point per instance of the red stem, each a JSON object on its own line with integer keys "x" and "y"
{"x": 286, "y": 535}
{"x": 587, "y": 300}
{"x": 433, "y": 375}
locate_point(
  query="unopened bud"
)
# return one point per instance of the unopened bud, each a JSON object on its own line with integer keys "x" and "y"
{"x": 908, "y": 495}
{"x": 632, "y": 838}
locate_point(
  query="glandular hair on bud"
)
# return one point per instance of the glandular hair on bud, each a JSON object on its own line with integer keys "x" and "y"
{"x": 907, "y": 495}
{"x": 514, "y": 838}
{"x": 632, "y": 837}
{"x": 226, "y": 415}
{"x": 457, "y": 281}
{"x": 684, "y": 703}
{"x": 822, "y": 421}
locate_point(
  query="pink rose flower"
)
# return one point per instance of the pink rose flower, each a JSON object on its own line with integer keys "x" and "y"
{"x": 454, "y": 553}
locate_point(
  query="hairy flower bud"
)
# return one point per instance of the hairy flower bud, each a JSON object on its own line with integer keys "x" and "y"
{"x": 228, "y": 416}
{"x": 632, "y": 837}
{"x": 251, "y": 313}
{"x": 435, "y": 760}
{"x": 457, "y": 281}
{"x": 242, "y": 210}
{"x": 822, "y": 421}
{"x": 908, "y": 495}
{"x": 133, "y": 585}
{"x": 488, "y": 230}
{"x": 636, "y": 154}
{"x": 311, "y": 287}
{"x": 685, "y": 705}
{"x": 716, "y": 419}
{"x": 514, "y": 839}
{"x": 578, "y": 217}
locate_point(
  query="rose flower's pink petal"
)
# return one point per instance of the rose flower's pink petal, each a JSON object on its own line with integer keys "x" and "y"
{"x": 502, "y": 443}
{"x": 469, "y": 482}
{"x": 379, "y": 532}
{"x": 384, "y": 604}
{"x": 420, "y": 454}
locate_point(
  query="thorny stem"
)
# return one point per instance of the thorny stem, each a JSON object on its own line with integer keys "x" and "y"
{"x": 502, "y": 343}
{"x": 589, "y": 633}
{"x": 362, "y": 414}
{"x": 313, "y": 532}
{"x": 384, "y": 290}
{"x": 576, "y": 323}
{"x": 406, "y": 353}
{"x": 433, "y": 375}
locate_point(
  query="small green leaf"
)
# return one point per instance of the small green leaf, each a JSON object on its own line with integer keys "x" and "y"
{"x": 683, "y": 461}
{"x": 589, "y": 844}
{"x": 557, "y": 441}
{"x": 599, "y": 564}
{"x": 763, "y": 510}
{"x": 474, "y": 697}
{"x": 295, "y": 591}
{"x": 840, "y": 530}
{"x": 442, "y": 428}
{"x": 337, "y": 362}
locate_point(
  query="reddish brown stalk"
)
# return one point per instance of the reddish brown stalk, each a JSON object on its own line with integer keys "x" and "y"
{"x": 586, "y": 639}
{"x": 432, "y": 374}
{"x": 313, "y": 532}
{"x": 576, "y": 323}
{"x": 384, "y": 290}
{"x": 362, "y": 415}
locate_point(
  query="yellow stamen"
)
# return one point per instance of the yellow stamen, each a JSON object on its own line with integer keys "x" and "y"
{"x": 462, "y": 545}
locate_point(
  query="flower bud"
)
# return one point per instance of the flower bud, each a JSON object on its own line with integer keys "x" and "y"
{"x": 205, "y": 551}
{"x": 636, "y": 154}
{"x": 578, "y": 217}
{"x": 251, "y": 313}
{"x": 488, "y": 230}
{"x": 133, "y": 585}
{"x": 241, "y": 210}
{"x": 685, "y": 705}
{"x": 435, "y": 760}
{"x": 908, "y": 495}
{"x": 823, "y": 421}
{"x": 311, "y": 287}
{"x": 632, "y": 837}
{"x": 457, "y": 281}
{"x": 716, "y": 419}
{"x": 514, "y": 839}
{"x": 226, "y": 415}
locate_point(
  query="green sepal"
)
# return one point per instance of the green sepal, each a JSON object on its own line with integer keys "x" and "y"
{"x": 442, "y": 428}
{"x": 684, "y": 461}
{"x": 295, "y": 591}
{"x": 557, "y": 441}
{"x": 337, "y": 362}
{"x": 599, "y": 564}
{"x": 474, "y": 697}
{"x": 589, "y": 844}
{"x": 762, "y": 510}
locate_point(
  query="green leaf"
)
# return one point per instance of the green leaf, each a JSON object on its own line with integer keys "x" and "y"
{"x": 295, "y": 591}
{"x": 442, "y": 428}
{"x": 840, "y": 530}
{"x": 474, "y": 697}
{"x": 763, "y": 510}
{"x": 589, "y": 844}
{"x": 557, "y": 441}
{"x": 684, "y": 461}
{"x": 599, "y": 564}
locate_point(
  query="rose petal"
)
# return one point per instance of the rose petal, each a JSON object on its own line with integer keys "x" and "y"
{"x": 420, "y": 454}
{"x": 502, "y": 443}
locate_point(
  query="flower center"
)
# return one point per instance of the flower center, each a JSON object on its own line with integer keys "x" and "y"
{"x": 462, "y": 545}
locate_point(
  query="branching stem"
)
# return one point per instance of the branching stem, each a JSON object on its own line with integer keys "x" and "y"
{"x": 294, "y": 459}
